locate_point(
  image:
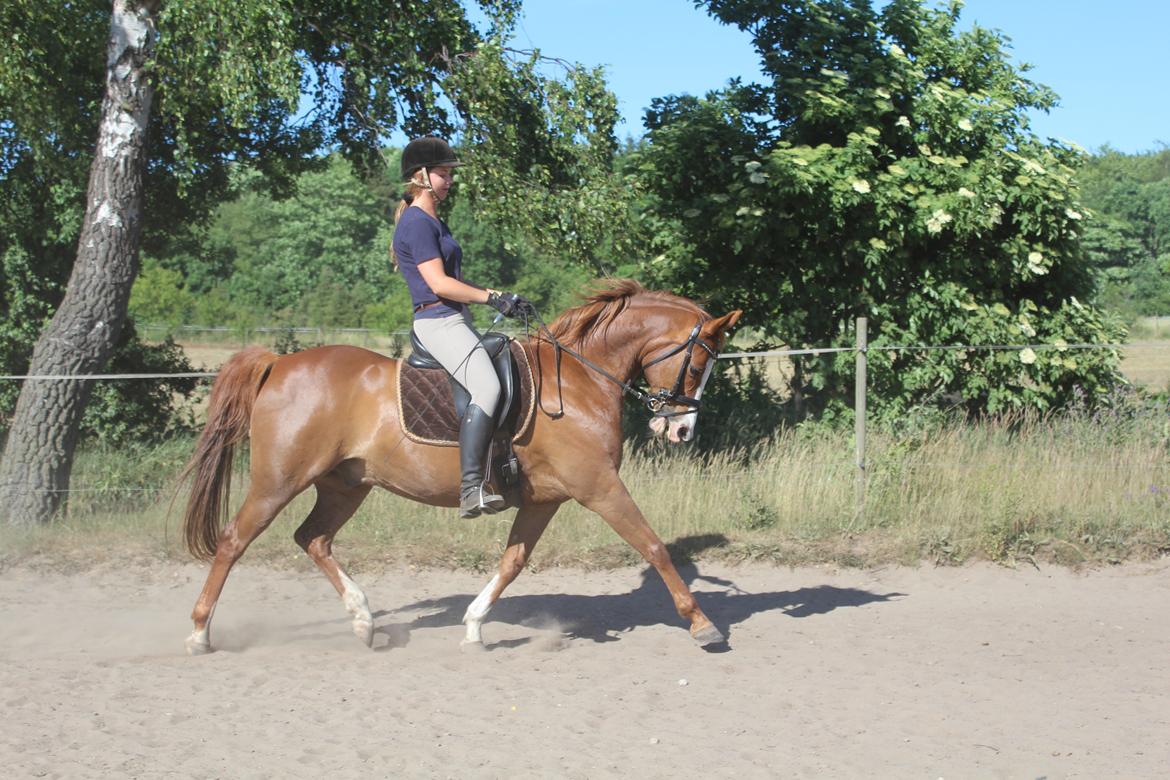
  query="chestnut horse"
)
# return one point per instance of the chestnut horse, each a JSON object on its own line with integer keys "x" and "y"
{"x": 328, "y": 418}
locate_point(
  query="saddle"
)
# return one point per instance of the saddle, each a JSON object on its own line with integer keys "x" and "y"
{"x": 431, "y": 403}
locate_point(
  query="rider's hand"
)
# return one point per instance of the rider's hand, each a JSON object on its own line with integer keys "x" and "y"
{"x": 509, "y": 304}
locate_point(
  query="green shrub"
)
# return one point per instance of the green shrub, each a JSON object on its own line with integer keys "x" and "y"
{"x": 125, "y": 411}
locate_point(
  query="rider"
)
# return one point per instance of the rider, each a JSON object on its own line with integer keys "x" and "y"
{"x": 431, "y": 260}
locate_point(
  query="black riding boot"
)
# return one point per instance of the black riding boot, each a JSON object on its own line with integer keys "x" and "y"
{"x": 475, "y": 436}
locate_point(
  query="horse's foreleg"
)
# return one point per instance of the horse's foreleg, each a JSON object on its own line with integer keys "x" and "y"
{"x": 530, "y": 522}
{"x": 255, "y": 514}
{"x": 617, "y": 508}
{"x": 315, "y": 536}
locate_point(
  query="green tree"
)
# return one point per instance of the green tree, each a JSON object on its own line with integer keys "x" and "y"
{"x": 1129, "y": 241}
{"x": 160, "y": 296}
{"x": 887, "y": 170}
{"x": 542, "y": 157}
{"x": 126, "y": 412}
{"x": 279, "y": 249}
{"x": 87, "y": 324}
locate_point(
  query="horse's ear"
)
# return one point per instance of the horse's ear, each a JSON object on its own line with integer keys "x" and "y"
{"x": 726, "y": 322}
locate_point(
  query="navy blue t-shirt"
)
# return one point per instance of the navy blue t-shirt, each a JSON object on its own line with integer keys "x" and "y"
{"x": 419, "y": 237}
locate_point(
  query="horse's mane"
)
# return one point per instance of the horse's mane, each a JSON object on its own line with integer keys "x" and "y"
{"x": 601, "y": 307}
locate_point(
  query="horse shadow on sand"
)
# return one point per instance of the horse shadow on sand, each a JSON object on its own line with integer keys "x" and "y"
{"x": 605, "y": 617}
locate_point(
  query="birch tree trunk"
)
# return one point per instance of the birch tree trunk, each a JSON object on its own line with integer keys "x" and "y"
{"x": 38, "y": 456}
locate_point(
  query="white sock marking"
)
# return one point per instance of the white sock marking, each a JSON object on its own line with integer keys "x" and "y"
{"x": 478, "y": 610}
{"x": 354, "y": 598}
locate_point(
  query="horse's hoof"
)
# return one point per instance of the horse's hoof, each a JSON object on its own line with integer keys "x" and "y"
{"x": 364, "y": 630}
{"x": 195, "y": 647}
{"x": 471, "y": 646}
{"x": 708, "y": 635}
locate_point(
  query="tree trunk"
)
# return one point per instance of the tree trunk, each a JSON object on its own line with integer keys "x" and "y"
{"x": 38, "y": 457}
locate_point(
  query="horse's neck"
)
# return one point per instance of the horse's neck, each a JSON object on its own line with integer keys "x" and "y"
{"x": 622, "y": 348}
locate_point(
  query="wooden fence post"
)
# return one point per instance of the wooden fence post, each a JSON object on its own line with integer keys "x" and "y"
{"x": 859, "y": 417}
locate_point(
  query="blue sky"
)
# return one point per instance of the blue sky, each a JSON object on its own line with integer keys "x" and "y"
{"x": 1108, "y": 61}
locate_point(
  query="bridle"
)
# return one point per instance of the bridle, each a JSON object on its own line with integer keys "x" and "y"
{"x": 657, "y": 402}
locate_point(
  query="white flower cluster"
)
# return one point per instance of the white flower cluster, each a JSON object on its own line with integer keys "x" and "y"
{"x": 937, "y": 220}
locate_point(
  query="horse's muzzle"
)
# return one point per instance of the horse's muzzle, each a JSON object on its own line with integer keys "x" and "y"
{"x": 675, "y": 429}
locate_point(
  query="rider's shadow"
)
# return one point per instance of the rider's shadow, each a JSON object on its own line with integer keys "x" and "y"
{"x": 603, "y": 618}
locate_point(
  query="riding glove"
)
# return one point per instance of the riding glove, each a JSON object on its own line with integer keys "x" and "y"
{"x": 510, "y": 304}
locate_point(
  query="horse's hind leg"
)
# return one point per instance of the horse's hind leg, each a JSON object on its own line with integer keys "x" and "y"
{"x": 255, "y": 514}
{"x": 335, "y": 505}
{"x": 530, "y": 522}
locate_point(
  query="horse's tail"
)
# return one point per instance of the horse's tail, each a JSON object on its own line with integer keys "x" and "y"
{"x": 229, "y": 416}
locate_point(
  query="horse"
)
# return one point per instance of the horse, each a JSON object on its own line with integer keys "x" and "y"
{"x": 327, "y": 418}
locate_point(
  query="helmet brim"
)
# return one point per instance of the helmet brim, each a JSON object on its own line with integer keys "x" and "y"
{"x": 439, "y": 164}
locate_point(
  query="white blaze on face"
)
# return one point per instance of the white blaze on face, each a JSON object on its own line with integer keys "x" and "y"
{"x": 682, "y": 428}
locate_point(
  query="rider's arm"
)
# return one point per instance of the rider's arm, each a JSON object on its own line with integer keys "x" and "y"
{"x": 448, "y": 287}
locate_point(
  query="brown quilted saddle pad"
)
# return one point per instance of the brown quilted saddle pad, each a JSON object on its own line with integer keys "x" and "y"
{"x": 426, "y": 404}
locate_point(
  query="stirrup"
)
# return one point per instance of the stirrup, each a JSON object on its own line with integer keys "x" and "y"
{"x": 478, "y": 502}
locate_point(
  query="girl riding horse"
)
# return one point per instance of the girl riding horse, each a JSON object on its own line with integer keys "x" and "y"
{"x": 431, "y": 261}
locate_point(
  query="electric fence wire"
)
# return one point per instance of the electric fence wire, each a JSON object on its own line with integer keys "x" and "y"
{"x": 722, "y": 356}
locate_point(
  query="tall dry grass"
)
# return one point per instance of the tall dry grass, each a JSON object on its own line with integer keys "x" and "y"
{"x": 1072, "y": 489}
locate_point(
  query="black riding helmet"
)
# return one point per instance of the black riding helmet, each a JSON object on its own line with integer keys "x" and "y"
{"x": 428, "y": 152}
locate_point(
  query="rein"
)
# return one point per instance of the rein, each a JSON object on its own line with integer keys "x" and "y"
{"x": 654, "y": 402}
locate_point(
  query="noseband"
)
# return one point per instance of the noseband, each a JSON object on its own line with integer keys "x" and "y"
{"x": 656, "y": 402}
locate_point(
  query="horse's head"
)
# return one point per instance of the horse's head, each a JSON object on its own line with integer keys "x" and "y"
{"x": 671, "y": 341}
{"x": 677, "y": 366}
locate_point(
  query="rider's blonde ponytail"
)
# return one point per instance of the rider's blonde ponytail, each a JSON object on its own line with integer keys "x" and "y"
{"x": 413, "y": 188}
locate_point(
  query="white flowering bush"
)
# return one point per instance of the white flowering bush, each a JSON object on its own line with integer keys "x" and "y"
{"x": 888, "y": 171}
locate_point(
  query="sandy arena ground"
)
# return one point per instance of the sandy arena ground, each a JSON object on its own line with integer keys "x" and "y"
{"x": 900, "y": 673}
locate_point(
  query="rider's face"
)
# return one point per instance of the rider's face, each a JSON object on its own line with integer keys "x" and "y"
{"x": 442, "y": 177}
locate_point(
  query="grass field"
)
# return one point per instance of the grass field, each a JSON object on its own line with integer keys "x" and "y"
{"x": 1073, "y": 490}
{"x": 1145, "y": 361}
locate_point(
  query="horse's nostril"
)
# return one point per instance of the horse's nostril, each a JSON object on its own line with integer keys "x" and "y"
{"x": 683, "y": 432}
